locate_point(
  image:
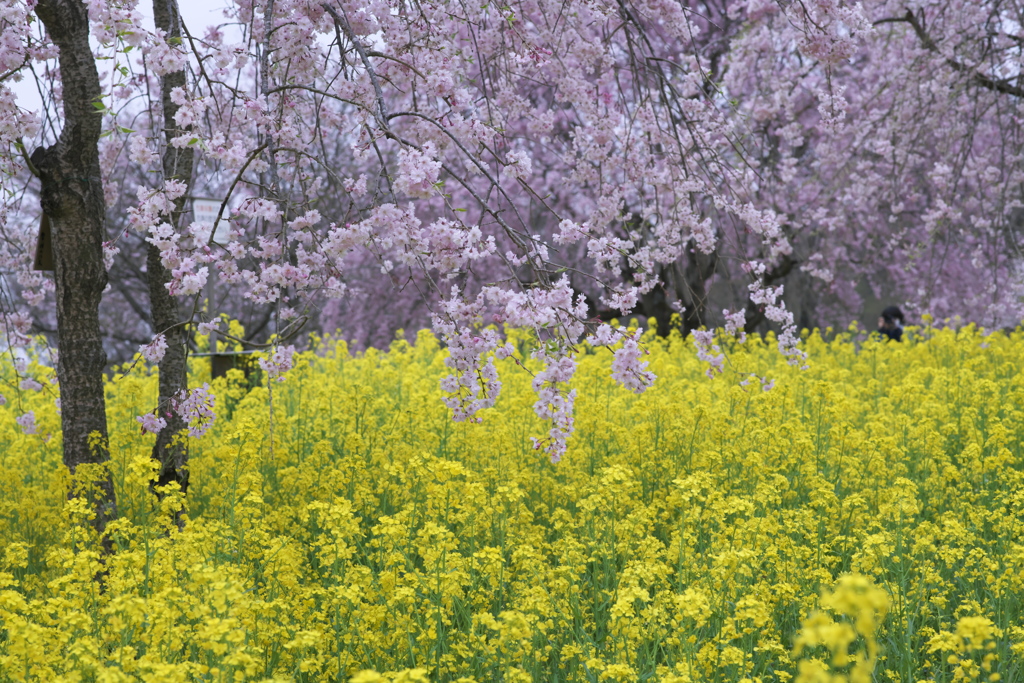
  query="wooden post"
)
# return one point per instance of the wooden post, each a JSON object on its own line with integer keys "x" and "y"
{"x": 44, "y": 246}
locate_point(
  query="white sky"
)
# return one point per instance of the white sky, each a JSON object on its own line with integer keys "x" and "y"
{"x": 197, "y": 15}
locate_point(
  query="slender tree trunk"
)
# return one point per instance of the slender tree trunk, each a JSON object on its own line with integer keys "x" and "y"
{"x": 170, "y": 449}
{"x": 72, "y": 197}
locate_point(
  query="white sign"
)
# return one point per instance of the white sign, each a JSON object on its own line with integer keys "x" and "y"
{"x": 204, "y": 212}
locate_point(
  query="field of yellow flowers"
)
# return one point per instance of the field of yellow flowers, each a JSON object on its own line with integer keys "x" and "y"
{"x": 860, "y": 521}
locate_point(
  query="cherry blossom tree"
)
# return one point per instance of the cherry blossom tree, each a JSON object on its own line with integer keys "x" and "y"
{"x": 892, "y": 158}
{"x": 849, "y": 159}
{"x": 537, "y": 164}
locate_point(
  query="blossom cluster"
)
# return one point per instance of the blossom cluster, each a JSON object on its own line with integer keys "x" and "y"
{"x": 278, "y": 362}
{"x": 769, "y": 299}
{"x": 627, "y": 368}
{"x": 555, "y": 401}
{"x": 195, "y": 406}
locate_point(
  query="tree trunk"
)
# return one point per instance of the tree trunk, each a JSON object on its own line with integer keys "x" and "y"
{"x": 685, "y": 281}
{"x": 656, "y": 304}
{"x": 72, "y": 197}
{"x": 700, "y": 267}
{"x": 755, "y": 312}
{"x": 170, "y": 449}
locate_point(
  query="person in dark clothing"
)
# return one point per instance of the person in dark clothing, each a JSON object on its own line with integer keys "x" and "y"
{"x": 890, "y": 323}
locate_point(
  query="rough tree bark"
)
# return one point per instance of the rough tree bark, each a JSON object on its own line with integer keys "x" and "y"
{"x": 72, "y": 197}
{"x": 170, "y": 450}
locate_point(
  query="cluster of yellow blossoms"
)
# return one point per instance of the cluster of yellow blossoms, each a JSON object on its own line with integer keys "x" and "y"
{"x": 863, "y": 520}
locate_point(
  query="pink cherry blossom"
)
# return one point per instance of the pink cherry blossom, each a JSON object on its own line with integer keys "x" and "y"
{"x": 27, "y": 422}
{"x": 151, "y": 423}
{"x": 154, "y": 350}
{"x": 278, "y": 363}
{"x": 195, "y": 406}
